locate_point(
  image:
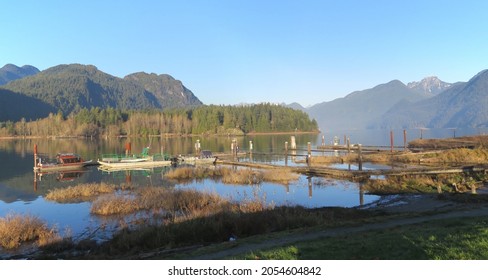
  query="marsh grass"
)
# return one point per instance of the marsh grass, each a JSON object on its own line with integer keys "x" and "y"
{"x": 114, "y": 204}
{"x": 177, "y": 204}
{"x": 16, "y": 229}
{"x": 185, "y": 217}
{"x": 241, "y": 176}
{"x": 80, "y": 192}
{"x": 455, "y": 156}
{"x": 279, "y": 176}
{"x": 455, "y": 183}
{"x": 232, "y": 220}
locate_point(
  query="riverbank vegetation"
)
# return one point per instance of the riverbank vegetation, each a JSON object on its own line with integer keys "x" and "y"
{"x": 169, "y": 219}
{"x": 82, "y": 192}
{"x": 224, "y": 120}
{"x": 16, "y": 229}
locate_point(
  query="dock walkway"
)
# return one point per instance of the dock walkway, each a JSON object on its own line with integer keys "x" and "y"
{"x": 358, "y": 175}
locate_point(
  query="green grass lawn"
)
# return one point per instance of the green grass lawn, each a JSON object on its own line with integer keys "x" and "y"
{"x": 450, "y": 239}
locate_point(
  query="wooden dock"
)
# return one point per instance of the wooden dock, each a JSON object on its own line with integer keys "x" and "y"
{"x": 360, "y": 175}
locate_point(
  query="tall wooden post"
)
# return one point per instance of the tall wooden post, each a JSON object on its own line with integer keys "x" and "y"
{"x": 35, "y": 155}
{"x": 250, "y": 150}
{"x": 293, "y": 143}
{"x": 360, "y": 157}
{"x": 361, "y": 194}
{"x": 391, "y": 141}
{"x": 404, "y": 139}
{"x": 286, "y": 153}
{"x": 309, "y": 153}
{"x": 310, "y": 187}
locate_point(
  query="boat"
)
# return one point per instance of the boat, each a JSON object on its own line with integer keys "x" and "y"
{"x": 64, "y": 161}
{"x": 127, "y": 162}
{"x": 205, "y": 157}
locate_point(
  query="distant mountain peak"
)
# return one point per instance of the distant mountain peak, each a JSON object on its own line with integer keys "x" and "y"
{"x": 11, "y": 72}
{"x": 430, "y": 86}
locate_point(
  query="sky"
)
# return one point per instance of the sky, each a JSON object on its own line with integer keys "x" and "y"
{"x": 236, "y": 51}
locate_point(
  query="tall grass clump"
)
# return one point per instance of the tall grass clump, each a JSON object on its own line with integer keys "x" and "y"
{"x": 279, "y": 176}
{"x": 16, "y": 229}
{"x": 80, "y": 192}
{"x": 114, "y": 204}
{"x": 175, "y": 203}
{"x": 439, "y": 183}
{"x": 240, "y": 176}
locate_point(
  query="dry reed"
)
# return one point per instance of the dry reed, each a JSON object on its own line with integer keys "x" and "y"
{"x": 231, "y": 176}
{"x": 16, "y": 229}
{"x": 182, "y": 203}
{"x": 80, "y": 192}
{"x": 114, "y": 204}
{"x": 279, "y": 176}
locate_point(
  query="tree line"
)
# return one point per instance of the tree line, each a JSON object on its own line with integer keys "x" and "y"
{"x": 94, "y": 122}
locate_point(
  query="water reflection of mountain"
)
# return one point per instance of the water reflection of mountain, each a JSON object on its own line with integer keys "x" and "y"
{"x": 10, "y": 194}
{"x": 14, "y": 165}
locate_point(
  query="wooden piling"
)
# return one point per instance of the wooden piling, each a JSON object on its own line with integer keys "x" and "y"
{"x": 360, "y": 157}
{"x": 404, "y": 139}
{"x": 286, "y": 153}
{"x": 293, "y": 143}
{"x": 35, "y": 155}
{"x": 391, "y": 141}
{"x": 310, "y": 187}
{"x": 309, "y": 153}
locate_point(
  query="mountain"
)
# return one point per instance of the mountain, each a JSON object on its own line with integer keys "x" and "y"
{"x": 30, "y": 109}
{"x": 11, "y": 72}
{"x": 73, "y": 86}
{"x": 360, "y": 109}
{"x": 430, "y": 86}
{"x": 464, "y": 104}
{"x": 295, "y": 106}
{"x": 166, "y": 89}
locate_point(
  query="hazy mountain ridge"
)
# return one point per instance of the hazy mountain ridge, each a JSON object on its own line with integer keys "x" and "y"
{"x": 70, "y": 87}
{"x": 430, "y": 103}
{"x": 11, "y": 72}
{"x": 359, "y": 109}
{"x": 464, "y": 104}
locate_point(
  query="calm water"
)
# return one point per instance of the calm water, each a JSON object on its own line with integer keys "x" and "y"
{"x": 21, "y": 192}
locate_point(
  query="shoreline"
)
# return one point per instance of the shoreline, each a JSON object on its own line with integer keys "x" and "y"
{"x": 166, "y": 135}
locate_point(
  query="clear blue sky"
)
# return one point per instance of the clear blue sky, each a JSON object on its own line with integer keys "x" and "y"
{"x": 229, "y": 52}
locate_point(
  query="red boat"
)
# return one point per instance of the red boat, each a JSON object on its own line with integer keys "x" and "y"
{"x": 66, "y": 161}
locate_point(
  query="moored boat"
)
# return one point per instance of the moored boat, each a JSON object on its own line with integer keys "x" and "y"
{"x": 205, "y": 157}
{"x": 64, "y": 161}
{"x": 144, "y": 160}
